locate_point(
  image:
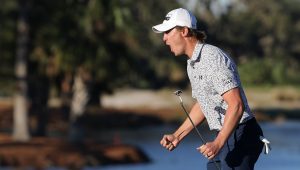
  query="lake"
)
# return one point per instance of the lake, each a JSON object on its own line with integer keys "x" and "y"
{"x": 284, "y": 137}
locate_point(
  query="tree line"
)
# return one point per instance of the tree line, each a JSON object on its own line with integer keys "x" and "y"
{"x": 96, "y": 46}
{"x": 113, "y": 40}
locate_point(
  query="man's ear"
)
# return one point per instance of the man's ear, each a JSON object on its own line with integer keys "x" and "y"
{"x": 185, "y": 32}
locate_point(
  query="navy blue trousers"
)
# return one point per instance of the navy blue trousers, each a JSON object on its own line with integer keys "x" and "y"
{"x": 242, "y": 149}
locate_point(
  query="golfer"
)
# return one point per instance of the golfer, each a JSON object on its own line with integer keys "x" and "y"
{"x": 217, "y": 88}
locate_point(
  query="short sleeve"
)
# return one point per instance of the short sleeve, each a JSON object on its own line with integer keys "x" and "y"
{"x": 224, "y": 80}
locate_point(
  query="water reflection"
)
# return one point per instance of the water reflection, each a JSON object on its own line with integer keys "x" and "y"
{"x": 284, "y": 138}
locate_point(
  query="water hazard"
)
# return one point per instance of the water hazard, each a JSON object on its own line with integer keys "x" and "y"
{"x": 284, "y": 137}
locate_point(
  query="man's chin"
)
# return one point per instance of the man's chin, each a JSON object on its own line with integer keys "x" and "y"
{"x": 176, "y": 54}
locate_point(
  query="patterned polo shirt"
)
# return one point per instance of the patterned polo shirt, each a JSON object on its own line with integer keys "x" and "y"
{"x": 212, "y": 73}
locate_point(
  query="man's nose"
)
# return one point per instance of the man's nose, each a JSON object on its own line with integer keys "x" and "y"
{"x": 165, "y": 37}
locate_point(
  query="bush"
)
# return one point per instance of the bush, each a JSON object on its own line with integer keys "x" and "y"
{"x": 254, "y": 72}
{"x": 269, "y": 71}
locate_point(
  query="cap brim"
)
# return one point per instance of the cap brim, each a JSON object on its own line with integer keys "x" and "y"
{"x": 160, "y": 28}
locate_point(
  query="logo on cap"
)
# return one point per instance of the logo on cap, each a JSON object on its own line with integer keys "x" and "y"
{"x": 168, "y": 16}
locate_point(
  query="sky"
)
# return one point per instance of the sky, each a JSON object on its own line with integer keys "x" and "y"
{"x": 218, "y": 7}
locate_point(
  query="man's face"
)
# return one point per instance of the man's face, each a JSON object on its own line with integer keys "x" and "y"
{"x": 174, "y": 39}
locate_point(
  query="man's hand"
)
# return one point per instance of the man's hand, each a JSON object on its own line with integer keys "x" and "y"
{"x": 210, "y": 149}
{"x": 169, "y": 142}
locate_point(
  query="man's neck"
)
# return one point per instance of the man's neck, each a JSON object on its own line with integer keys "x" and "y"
{"x": 191, "y": 44}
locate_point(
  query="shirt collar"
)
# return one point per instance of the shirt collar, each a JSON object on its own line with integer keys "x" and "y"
{"x": 196, "y": 51}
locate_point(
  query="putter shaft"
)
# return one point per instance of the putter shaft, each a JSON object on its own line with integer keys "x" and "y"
{"x": 199, "y": 134}
{"x": 177, "y": 93}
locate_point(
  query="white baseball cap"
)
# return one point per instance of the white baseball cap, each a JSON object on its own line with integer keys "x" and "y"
{"x": 177, "y": 17}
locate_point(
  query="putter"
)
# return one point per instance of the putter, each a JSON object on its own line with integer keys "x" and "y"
{"x": 178, "y": 93}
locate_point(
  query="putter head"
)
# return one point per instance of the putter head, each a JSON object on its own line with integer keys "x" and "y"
{"x": 177, "y": 92}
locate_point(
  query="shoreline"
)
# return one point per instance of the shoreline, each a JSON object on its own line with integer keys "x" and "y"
{"x": 123, "y": 109}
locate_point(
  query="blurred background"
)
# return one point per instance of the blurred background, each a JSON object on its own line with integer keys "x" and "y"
{"x": 86, "y": 84}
